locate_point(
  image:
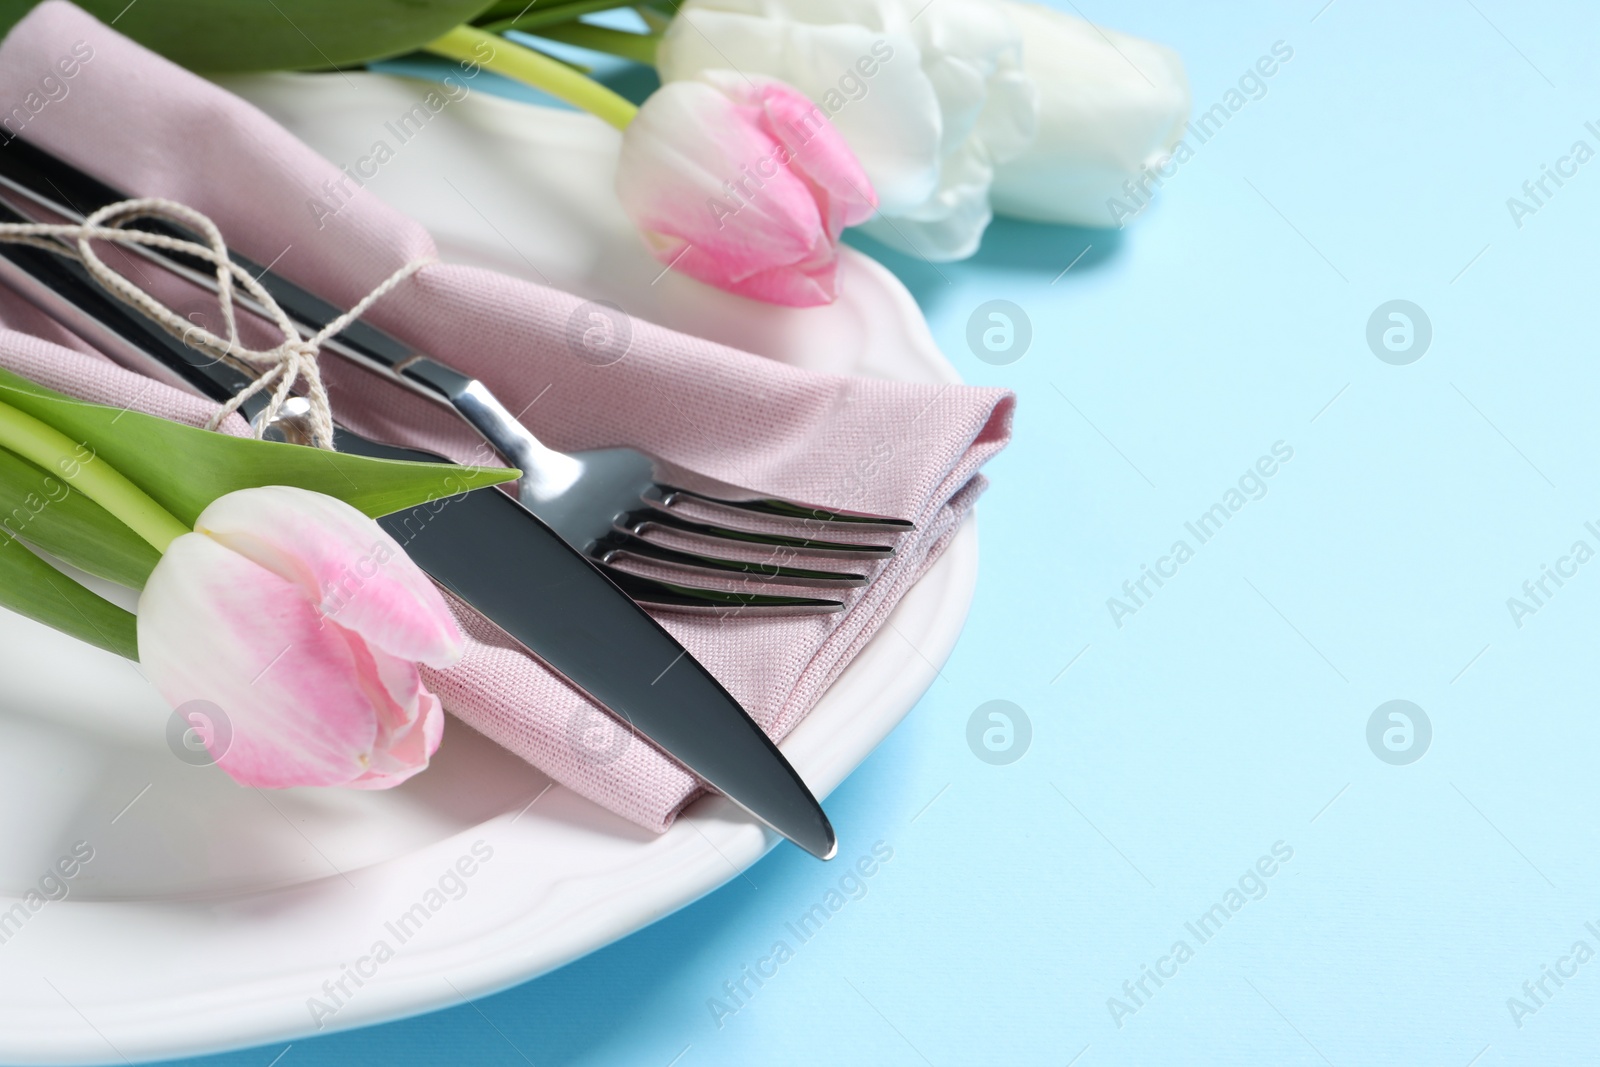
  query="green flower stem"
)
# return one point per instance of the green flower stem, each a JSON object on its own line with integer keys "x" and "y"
{"x": 639, "y": 47}
{"x": 536, "y": 69}
{"x": 46, "y": 447}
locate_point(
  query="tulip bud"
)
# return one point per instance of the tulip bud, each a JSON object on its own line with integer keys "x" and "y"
{"x": 744, "y": 184}
{"x": 304, "y": 622}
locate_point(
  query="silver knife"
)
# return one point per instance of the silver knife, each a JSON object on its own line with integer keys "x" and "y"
{"x": 505, "y": 563}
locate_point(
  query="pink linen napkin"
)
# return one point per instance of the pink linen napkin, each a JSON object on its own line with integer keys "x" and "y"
{"x": 711, "y": 413}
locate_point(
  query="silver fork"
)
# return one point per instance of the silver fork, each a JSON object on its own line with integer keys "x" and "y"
{"x": 666, "y": 546}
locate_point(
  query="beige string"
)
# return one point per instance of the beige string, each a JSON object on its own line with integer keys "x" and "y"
{"x": 279, "y": 368}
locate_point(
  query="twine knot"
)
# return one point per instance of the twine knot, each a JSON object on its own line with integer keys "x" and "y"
{"x": 276, "y": 370}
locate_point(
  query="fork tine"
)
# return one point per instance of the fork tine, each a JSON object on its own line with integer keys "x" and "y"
{"x": 666, "y": 495}
{"x": 646, "y": 521}
{"x": 625, "y": 546}
{"x": 652, "y": 592}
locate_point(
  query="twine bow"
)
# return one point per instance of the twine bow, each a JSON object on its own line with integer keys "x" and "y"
{"x": 293, "y": 360}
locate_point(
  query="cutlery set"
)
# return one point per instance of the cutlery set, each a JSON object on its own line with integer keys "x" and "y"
{"x": 567, "y": 565}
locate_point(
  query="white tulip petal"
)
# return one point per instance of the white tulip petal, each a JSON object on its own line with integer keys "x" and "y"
{"x": 1110, "y": 105}
{"x": 891, "y": 120}
{"x": 949, "y": 224}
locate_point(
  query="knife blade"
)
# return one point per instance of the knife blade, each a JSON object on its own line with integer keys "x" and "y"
{"x": 503, "y": 562}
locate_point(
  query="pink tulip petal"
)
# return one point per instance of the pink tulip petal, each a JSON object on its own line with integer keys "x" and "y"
{"x": 214, "y": 626}
{"x": 818, "y": 153}
{"x": 410, "y": 719}
{"x": 737, "y": 185}
{"x": 346, "y": 564}
{"x": 412, "y": 753}
{"x": 689, "y": 171}
{"x": 789, "y": 286}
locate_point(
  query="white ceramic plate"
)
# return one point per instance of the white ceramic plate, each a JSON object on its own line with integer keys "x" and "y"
{"x": 209, "y": 915}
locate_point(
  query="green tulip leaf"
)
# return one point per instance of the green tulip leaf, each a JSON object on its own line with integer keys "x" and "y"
{"x": 184, "y": 469}
{"x": 46, "y": 512}
{"x": 30, "y": 586}
{"x": 218, "y": 36}
{"x": 520, "y": 15}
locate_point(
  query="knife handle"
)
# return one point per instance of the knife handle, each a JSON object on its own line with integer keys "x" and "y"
{"x": 26, "y": 169}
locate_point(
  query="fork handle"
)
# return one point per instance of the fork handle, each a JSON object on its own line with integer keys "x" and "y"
{"x": 546, "y": 473}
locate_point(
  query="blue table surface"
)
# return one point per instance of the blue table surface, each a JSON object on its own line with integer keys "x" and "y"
{"x": 1215, "y": 847}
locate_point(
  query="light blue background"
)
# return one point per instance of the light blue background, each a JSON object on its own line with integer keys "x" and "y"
{"x": 1230, "y": 712}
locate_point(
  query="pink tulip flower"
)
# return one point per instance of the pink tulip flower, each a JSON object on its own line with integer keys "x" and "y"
{"x": 743, "y": 184}
{"x": 304, "y": 622}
